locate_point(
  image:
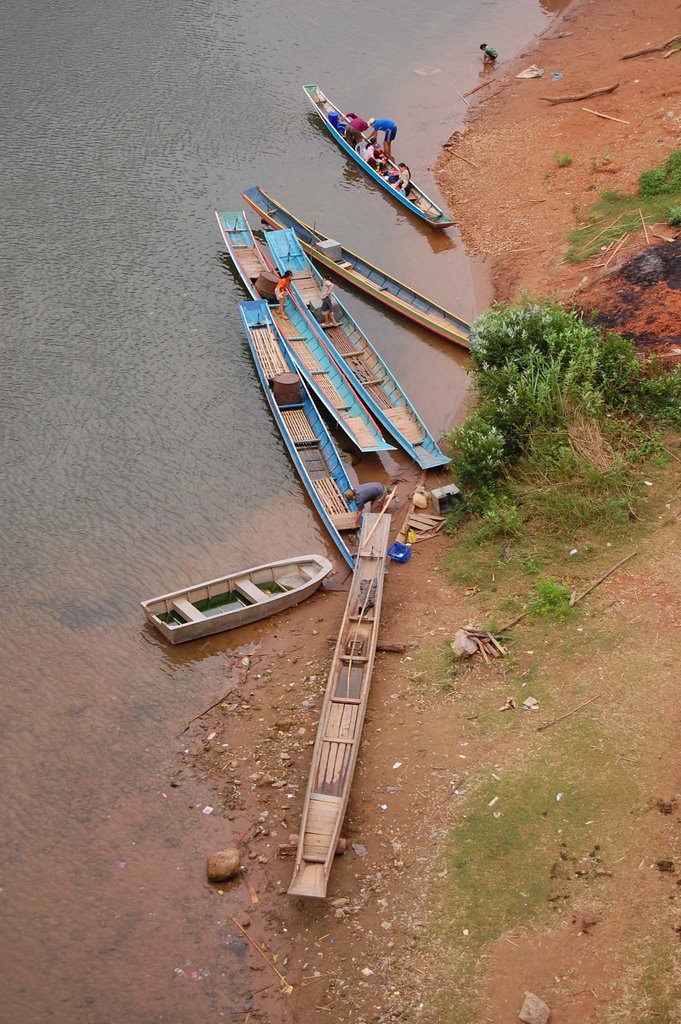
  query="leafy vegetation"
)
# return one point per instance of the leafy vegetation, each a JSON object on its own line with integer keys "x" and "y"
{"x": 558, "y": 430}
{"x": 551, "y": 600}
{"x": 563, "y": 159}
{"x": 616, "y": 214}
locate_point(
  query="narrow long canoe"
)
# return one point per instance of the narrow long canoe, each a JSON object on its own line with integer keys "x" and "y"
{"x": 323, "y": 375}
{"x": 304, "y": 433}
{"x": 236, "y": 599}
{"x": 350, "y": 347}
{"x": 417, "y": 201}
{"x": 357, "y": 271}
{"x": 340, "y": 726}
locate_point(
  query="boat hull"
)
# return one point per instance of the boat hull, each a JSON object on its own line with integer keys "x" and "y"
{"x": 436, "y": 217}
{"x": 350, "y": 348}
{"x": 362, "y": 274}
{"x": 340, "y": 726}
{"x": 295, "y": 579}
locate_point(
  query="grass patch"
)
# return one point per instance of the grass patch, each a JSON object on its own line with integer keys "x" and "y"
{"x": 616, "y": 214}
{"x": 563, "y": 159}
{"x": 500, "y": 868}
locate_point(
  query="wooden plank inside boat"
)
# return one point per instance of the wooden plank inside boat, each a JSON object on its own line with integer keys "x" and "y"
{"x": 406, "y": 424}
{"x": 299, "y": 427}
{"x": 269, "y": 351}
{"x": 340, "y": 725}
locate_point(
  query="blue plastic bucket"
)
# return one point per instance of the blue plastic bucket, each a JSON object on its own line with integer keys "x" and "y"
{"x": 400, "y": 552}
{"x": 333, "y": 118}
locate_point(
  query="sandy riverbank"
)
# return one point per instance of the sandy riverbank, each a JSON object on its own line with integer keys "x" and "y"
{"x": 500, "y": 173}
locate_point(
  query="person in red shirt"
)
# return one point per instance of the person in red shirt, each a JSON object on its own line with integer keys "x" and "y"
{"x": 355, "y": 126}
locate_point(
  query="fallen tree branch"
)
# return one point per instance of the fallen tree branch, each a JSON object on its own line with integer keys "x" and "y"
{"x": 574, "y": 599}
{"x": 206, "y": 710}
{"x": 568, "y": 713}
{"x": 453, "y": 152}
{"x": 581, "y": 95}
{"x": 650, "y": 49}
{"x": 483, "y": 86}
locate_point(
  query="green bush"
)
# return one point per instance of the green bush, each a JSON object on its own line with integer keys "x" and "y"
{"x": 673, "y": 216}
{"x": 556, "y": 424}
{"x": 563, "y": 159}
{"x": 663, "y": 180}
{"x": 551, "y": 600}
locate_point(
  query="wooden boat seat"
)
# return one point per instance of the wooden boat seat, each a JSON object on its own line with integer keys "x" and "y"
{"x": 299, "y": 427}
{"x": 250, "y": 591}
{"x": 187, "y": 609}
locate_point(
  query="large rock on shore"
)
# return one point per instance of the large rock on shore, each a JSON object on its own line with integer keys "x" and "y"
{"x": 223, "y": 865}
{"x": 534, "y": 1010}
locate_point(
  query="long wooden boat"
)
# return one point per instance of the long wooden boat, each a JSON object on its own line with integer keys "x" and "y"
{"x": 236, "y": 599}
{"x": 417, "y": 201}
{"x": 323, "y": 375}
{"x": 340, "y": 726}
{"x": 350, "y": 347}
{"x": 357, "y": 271}
{"x": 303, "y": 431}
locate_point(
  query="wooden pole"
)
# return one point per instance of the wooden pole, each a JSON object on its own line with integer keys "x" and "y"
{"x": 592, "y": 586}
{"x": 463, "y": 97}
{"x": 645, "y": 229}
{"x": 568, "y": 713}
{"x": 378, "y": 519}
{"x": 606, "y": 116}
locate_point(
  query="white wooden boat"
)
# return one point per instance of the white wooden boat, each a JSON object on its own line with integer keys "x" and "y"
{"x": 340, "y": 726}
{"x": 237, "y": 599}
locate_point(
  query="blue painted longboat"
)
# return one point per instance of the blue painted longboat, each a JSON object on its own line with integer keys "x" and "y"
{"x": 356, "y": 270}
{"x": 350, "y": 346}
{"x": 417, "y": 201}
{"x": 304, "y": 433}
{"x": 324, "y": 377}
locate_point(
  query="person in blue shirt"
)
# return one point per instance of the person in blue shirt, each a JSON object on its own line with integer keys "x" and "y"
{"x": 389, "y": 129}
{"x": 366, "y": 495}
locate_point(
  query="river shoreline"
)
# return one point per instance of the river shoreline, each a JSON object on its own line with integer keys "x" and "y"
{"x": 523, "y": 172}
{"x": 360, "y": 954}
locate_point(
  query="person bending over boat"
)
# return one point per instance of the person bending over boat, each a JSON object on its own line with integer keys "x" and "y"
{"x": 283, "y": 287}
{"x": 366, "y": 495}
{"x": 355, "y": 127}
{"x": 389, "y": 129}
{"x": 327, "y": 307}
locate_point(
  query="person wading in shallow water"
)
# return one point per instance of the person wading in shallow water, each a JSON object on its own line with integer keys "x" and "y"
{"x": 489, "y": 54}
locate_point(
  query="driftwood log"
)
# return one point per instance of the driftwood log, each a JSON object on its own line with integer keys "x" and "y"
{"x": 581, "y": 95}
{"x": 650, "y": 49}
